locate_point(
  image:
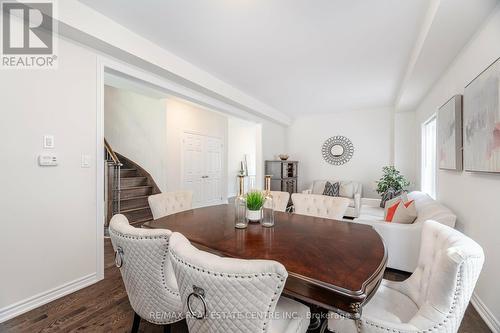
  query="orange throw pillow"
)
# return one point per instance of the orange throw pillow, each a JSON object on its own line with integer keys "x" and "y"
{"x": 405, "y": 213}
{"x": 391, "y": 211}
{"x": 407, "y": 204}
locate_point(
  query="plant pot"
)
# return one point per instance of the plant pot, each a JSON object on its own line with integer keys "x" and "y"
{"x": 254, "y": 215}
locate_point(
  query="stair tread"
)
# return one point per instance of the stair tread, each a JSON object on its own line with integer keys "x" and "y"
{"x": 135, "y": 187}
{"x": 131, "y": 177}
{"x": 133, "y": 209}
{"x": 133, "y": 198}
{"x": 142, "y": 220}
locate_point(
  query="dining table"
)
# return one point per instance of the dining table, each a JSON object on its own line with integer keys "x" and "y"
{"x": 332, "y": 264}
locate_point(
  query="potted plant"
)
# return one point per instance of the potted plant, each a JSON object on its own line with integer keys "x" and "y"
{"x": 255, "y": 202}
{"x": 392, "y": 184}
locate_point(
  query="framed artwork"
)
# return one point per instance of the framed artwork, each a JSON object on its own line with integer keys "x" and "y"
{"x": 449, "y": 134}
{"x": 482, "y": 121}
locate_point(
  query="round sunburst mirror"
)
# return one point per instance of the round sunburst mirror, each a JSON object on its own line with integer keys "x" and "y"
{"x": 337, "y": 150}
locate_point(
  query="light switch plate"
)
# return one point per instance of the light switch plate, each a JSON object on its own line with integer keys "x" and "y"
{"x": 85, "y": 161}
{"x": 48, "y": 142}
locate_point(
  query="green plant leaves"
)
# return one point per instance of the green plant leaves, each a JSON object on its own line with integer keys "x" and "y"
{"x": 391, "y": 179}
{"x": 255, "y": 200}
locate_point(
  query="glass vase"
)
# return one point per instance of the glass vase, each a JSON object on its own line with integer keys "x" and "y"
{"x": 240, "y": 207}
{"x": 268, "y": 209}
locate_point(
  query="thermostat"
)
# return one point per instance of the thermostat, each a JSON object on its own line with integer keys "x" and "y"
{"x": 47, "y": 160}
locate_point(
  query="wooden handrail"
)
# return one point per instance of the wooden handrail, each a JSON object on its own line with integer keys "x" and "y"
{"x": 111, "y": 152}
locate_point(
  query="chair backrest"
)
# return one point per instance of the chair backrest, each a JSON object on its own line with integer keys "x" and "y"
{"x": 146, "y": 270}
{"x": 280, "y": 200}
{"x": 240, "y": 294}
{"x": 441, "y": 286}
{"x": 168, "y": 203}
{"x": 430, "y": 209}
{"x": 320, "y": 205}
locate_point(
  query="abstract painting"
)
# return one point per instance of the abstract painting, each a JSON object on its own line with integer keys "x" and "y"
{"x": 449, "y": 121}
{"x": 482, "y": 121}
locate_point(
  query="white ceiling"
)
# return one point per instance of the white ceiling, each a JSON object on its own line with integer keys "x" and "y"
{"x": 452, "y": 26}
{"x": 303, "y": 56}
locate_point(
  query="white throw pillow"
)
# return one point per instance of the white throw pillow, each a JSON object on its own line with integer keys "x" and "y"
{"x": 319, "y": 186}
{"x": 390, "y": 203}
{"x": 346, "y": 189}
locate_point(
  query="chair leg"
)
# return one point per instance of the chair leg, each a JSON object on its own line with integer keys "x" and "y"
{"x": 167, "y": 328}
{"x": 135, "y": 325}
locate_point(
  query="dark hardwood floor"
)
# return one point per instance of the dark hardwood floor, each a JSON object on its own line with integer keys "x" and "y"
{"x": 104, "y": 307}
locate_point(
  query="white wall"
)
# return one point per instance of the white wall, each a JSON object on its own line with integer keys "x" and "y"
{"x": 405, "y": 145}
{"x": 370, "y": 133}
{"x": 135, "y": 126}
{"x": 48, "y": 236}
{"x": 185, "y": 117}
{"x": 49, "y": 215}
{"x": 241, "y": 141}
{"x": 474, "y": 197}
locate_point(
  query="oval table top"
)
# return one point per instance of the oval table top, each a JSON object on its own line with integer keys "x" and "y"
{"x": 336, "y": 265}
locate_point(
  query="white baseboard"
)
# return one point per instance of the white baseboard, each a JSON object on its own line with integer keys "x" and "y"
{"x": 30, "y": 303}
{"x": 485, "y": 313}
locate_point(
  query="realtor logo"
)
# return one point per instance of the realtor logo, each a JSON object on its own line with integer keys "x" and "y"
{"x": 28, "y": 34}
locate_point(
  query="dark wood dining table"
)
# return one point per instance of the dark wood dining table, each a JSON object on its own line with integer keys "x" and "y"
{"x": 336, "y": 265}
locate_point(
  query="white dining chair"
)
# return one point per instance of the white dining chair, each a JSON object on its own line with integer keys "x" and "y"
{"x": 142, "y": 256}
{"x": 280, "y": 200}
{"x": 320, "y": 205}
{"x": 433, "y": 298}
{"x": 233, "y": 295}
{"x": 167, "y": 203}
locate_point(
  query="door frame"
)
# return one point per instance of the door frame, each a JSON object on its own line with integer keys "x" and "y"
{"x": 105, "y": 64}
{"x": 224, "y": 161}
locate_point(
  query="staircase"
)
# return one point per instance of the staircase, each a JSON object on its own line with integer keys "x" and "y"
{"x": 129, "y": 195}
{"x": 134, "y": 196}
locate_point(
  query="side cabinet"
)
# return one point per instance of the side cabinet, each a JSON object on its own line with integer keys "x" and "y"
{"x": 284, "y": 175}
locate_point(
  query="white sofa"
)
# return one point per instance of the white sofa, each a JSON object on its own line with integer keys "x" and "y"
{"x": 348, "y": 189}
{"x": 403, "y": 240}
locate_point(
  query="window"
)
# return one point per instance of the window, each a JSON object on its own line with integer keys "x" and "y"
{"x": 428, "y": 176}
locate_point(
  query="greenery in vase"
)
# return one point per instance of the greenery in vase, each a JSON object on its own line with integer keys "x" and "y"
{"x": 391, "y": 179}
{"x": 255, "y": 200}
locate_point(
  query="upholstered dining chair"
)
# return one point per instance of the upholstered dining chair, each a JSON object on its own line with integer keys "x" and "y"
{"x": 320, "y": 205}
{"x": 142, "y": 256}
{"x": 280, "y": 200}
{"x": 167, "y": 203}
{"x": 434, "y": 297}
{"x": 233, "y": 295}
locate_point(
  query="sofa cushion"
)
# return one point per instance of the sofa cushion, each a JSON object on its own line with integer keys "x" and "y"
{"x": 370, "y": 213}
{"x": 390, "y": 305}
{"x": 347, "y": 189}
{"x": 319, "y": 186}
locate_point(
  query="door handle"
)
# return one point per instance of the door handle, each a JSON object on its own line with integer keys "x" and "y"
{"x": 204, "y": 176}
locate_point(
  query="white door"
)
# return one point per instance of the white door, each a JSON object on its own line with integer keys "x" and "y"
{"x": 202, "y": 169}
